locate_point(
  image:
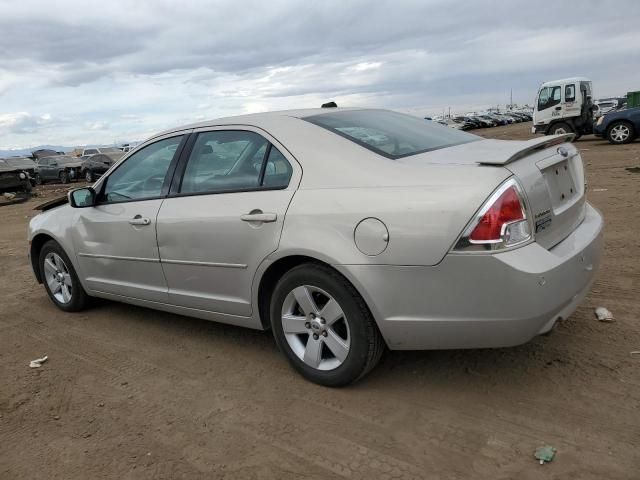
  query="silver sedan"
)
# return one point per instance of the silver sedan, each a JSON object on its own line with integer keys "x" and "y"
{"x": 344, "y": 231}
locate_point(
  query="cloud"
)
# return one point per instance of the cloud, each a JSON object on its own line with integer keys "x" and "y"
{"x": 137, "y": 67}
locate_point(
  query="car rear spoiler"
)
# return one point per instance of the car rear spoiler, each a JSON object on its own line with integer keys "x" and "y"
{"x": 522, "y": 149}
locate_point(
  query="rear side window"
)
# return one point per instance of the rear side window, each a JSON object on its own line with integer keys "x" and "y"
{"x": 391, "y": 134}
{"x": 278, "y": 171}
{"x": 570, "y": 93}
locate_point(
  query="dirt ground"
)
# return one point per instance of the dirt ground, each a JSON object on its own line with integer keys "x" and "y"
{"x": 132, "y": 393}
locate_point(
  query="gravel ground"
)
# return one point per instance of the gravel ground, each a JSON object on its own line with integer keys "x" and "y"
{"x": 133, "y": 393}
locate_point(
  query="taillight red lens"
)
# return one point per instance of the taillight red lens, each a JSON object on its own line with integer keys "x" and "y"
{"x": 507, "y": 208}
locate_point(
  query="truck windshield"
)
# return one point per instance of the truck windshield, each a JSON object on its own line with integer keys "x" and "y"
{"x": 391, "y": 134}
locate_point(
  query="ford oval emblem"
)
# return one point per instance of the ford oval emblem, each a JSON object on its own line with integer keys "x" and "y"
{"x": 563, "y": 151}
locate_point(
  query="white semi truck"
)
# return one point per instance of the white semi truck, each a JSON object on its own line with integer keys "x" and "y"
{"x": 564, "y": 106}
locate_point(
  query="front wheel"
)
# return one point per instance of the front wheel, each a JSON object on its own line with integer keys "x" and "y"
{"x": 323, "y": 326}
{"x": 619, "y": 133}
{"x": 560, "y": 128}
{"x": 88, "y": 176}
{"x": 60, "y": 278}
{"x": 64, "y": 176}
{"x": 38, "y": 179}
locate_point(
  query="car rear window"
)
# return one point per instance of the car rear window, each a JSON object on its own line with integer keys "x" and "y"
{"x": 391, "y": 134}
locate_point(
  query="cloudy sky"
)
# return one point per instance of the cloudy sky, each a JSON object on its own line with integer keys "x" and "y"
{"x": 74, "y": 72}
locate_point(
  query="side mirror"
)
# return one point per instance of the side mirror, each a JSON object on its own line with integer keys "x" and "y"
{"x": 82, "y": 197}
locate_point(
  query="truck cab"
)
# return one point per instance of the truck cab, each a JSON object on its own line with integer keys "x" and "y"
{"x": 564, "y": 106}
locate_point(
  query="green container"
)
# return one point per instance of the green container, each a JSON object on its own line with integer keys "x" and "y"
{"x": 633, "y": 99}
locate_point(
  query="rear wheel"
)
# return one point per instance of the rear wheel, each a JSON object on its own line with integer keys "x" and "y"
{"x": 323, "y": 326}
{"x": 619, "y": 133}
{"x": 560, "y": 128}
{"x": 60, "y": 278}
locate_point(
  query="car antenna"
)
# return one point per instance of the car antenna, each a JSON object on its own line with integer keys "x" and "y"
{"x": 330, "y": 105}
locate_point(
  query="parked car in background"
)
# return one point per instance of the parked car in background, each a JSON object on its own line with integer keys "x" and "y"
{"x": 94, "y": 150}
{"x": 13, "y": 178}
{"x": 24, "y": 164}
{"x": 606, "y": 105}
{"x": 399, "y": 233}
{"x": 619, "y": 126}
{"x": 62, "y": 168}
{"x": 43, "y": 152}
{"x": 95, "y": 165}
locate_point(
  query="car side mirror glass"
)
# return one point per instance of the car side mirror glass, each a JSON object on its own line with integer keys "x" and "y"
{"x": 82, "y": 197}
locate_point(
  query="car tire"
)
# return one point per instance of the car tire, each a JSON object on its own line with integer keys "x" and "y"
{"x": 88, "y": 176}
{"x": 60, "y": 279}
{"x": 620, "y": 132}
{"x": 333, "y": 351}
{"x": 64, "y": 176}
{"x": 38, "y": 179}
{"x": 560, "y": 128}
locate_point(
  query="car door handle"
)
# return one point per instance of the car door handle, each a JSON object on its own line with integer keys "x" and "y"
{"x": 259, "y": 216}
{"x": 139, "y": 220}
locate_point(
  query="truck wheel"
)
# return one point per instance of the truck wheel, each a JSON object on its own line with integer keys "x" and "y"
{"x": 64, "y": 176}
{"x": 620, "y": 132}
{"x": 323, "y": 326}
{"x": 560, "y": 128}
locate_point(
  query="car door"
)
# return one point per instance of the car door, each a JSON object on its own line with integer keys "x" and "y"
{"x": 223, "y": 217}
{"x": 115, "y": 240}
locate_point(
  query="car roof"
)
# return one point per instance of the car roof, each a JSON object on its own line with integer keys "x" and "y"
{"x": 256, "y": 119}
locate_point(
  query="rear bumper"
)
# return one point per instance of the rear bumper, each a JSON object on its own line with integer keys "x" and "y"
{"x": 481, "y": 301}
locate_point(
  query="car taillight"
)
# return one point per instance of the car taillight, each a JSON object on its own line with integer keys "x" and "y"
{"x": 501, "y": 222}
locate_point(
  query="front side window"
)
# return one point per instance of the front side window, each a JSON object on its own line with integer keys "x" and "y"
{"x": 142, "y": 175}
{"x": 391, "y": 134}
{"x": 549, "y": 96}
{"x": 570, "y": 93}
{"x": 224, "y": 160}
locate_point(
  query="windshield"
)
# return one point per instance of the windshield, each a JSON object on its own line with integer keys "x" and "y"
{"x": 110, "y": 150}
{"x": 391, "y": 134}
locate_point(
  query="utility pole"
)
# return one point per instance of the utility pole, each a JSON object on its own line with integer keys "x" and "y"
{"x": 449, "y": 112}
{"x": 511, "y": 100}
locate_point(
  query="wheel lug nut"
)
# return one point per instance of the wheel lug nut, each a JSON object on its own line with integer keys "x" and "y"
{"x": 323, "y": 321}
{"x": 315, "y": 336}
{"x": 324, "y": 333}
{"x": 307, "y": 325}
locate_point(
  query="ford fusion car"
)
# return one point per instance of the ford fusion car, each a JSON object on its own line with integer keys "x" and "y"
{"x": 344, "y": 231}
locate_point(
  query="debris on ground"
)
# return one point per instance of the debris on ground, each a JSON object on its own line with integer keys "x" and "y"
{"x": 633, "y": 169}
{"x": 599, "y": 189}
{"x": 545, "y": 454}
{"x": 604, "y": 315}
{"x": 37, "y": 363}
{"x": 635, "y": 352}
{"x": 9, "y": 196}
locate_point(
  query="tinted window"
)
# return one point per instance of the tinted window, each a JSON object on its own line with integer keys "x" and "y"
{"x": 43, "y": 161}
{"x": 570, "y": 93}
{"x": 391, "y": 134}
{"x": 224, "y": 161}
{"x": 142, "y": 175}
{"x": 278, "y": 171}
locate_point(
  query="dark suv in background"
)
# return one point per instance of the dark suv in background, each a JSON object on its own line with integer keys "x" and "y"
{"x": 62, "y": 168}
{"x": 95, "y": 165}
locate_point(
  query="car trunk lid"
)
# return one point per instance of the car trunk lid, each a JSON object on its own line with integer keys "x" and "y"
{"x": 549, "y": 169}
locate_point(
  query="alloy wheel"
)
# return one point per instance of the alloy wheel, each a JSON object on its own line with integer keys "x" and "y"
{"x": 58, "y": 278}
{"x": 315, "y": 327}
{"x": 620, "y": 133}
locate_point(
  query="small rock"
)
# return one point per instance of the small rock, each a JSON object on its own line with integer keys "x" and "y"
{"x": 9, "y": 196}
{"x": 604, "y": 315}
{"x": 545, "y": 454}
{"x": 56, "y": 417}
{"x": 101, "y": 404}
